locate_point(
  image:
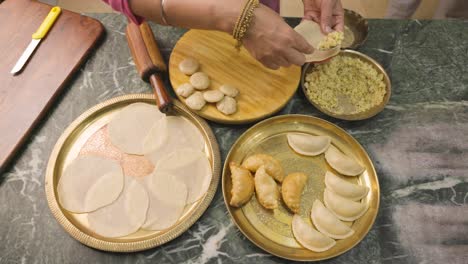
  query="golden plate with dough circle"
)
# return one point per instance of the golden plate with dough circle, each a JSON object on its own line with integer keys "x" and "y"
{"x": 263, "y": 92}
{"x": 87, "y": 135}
{"x": 271, "y": 230}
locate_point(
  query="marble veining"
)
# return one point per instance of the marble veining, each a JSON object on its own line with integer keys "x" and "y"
{"x": 419, "y": 145}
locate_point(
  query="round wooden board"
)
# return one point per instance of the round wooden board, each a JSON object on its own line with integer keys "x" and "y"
{"x": 263, "y": 92}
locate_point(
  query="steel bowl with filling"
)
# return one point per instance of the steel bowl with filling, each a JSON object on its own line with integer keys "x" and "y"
{"x": 357, "y": 116}
{"x": 355, "y": 31}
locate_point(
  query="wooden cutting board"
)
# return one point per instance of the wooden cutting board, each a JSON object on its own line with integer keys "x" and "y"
{"x": 26, "y": 97}
{"x": 263, "y": 92}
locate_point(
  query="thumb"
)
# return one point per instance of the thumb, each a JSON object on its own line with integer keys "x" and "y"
{"x": 326, "y": 16}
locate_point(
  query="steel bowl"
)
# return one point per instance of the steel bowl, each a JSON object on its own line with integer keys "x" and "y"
{"x": 355, "y": 31}
{"x": 360, "y": 115}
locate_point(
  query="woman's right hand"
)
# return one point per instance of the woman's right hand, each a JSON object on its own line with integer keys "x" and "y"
{"x": 273, "y": 42}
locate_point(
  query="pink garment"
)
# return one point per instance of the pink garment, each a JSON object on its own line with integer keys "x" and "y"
{"x": 123, "y": 7}
{"x": 273, "y": 4}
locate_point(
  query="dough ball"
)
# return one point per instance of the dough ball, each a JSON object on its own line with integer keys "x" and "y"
{"x": 229, "y": 90}
{"x": 185, "y": 90}
{"x": 200, "y": 81}
{"x": 213, "y": 96}
{"x": 227, "y": 106}
{"x": 189, "y": 66}
{"x": 196, "y": 101}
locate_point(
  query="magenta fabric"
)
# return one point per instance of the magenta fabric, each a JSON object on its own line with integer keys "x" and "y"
{"x": 273, "y": 4}
{"x": 123, "y": 7}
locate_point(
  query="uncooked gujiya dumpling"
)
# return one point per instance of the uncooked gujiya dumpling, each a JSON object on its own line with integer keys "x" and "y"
{"x": 310, "y": 238}
{"x": 344, "y": 188}
{"x": 308, "y": 145}
{"x": 342, "y": 163}
{"x": 311, "y": 32}
{"x": 291, "y": 190}
{"x": 327, "y": 223}
{"x": 272, "y": 166}
{"x": 266, "y": 189}
{"x": 242, "y": 185}
{"x": 343, "y": 208}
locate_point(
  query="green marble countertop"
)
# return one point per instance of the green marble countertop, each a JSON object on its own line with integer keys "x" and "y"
{"x": 419, "y": 145}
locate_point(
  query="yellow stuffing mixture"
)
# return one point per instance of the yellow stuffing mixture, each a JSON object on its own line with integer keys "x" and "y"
{"x": 345, "y": 77}
{"x": 331, "y": 40}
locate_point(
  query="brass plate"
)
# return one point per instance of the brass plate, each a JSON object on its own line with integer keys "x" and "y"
{"x": 358, "y": 116}
{"x": 356, "y": 30}
{"x": 271, "y": 230}
{"x": 68, "y": 147}
{"x": 262, "y": 92}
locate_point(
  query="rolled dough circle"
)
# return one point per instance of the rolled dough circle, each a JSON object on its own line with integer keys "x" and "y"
{"x": 191, "y": 167}
{"x": 124, "y": 216}
{"x": 168, "y": 198}
{"x": 129, "y": 127}
{"x": 88, "y": 173}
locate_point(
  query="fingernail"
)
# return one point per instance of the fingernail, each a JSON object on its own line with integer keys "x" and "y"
{"x": 328, "y": 29}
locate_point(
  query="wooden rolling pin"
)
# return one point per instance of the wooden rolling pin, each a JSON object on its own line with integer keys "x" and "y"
{"x": 149, "y": 62}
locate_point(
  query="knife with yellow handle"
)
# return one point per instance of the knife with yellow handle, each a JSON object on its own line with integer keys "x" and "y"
{"x": 40, "y": 33}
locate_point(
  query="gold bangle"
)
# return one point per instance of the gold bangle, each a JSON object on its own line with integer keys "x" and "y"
{"x": 163, "y": 12}
{"x": 240, "y": 19}
{"x": 244, "y": 21}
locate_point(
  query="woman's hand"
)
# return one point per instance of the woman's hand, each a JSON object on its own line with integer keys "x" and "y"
{"x": 273, "y": 42}
{"x": 328, "y": 13}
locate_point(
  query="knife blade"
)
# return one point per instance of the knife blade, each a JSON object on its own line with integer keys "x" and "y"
{"x": 40, "y": 33}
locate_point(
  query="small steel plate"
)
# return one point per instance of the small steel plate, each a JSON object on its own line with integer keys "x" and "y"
{"x": 356, "y": 30}
{"x": 271, "y": 230}
{"x": 85, "y": 135}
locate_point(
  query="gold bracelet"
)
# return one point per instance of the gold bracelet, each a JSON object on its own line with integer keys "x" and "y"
{"x": 244, "y": 21}
{"x": 235, "y": 32}
{"x": 163, "y": 12}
